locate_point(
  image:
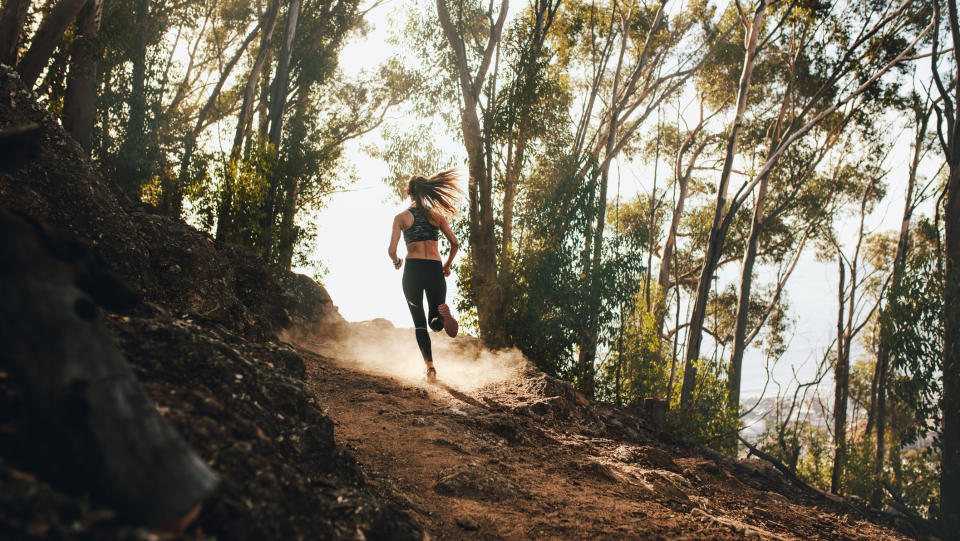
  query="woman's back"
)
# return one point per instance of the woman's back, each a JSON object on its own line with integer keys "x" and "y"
{"x": 420, "y": 234}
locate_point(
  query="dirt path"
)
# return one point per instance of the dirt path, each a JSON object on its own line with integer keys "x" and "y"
{"x": 495, "y": 461}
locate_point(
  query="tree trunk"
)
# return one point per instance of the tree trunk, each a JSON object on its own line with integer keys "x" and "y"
{"x": 950, "y": 400}
{"x": 743, "y": 297}
{"x": 717, "y": 230}
{"x": 246, "y": 109}
{"x": 509, "y": 197}
{"x": 482, "y": 234}
{"x": 591, "y": 335}
{"x": 683, "y": 180}
{"x": 287, "y": 235}
{"x": 278, "y": 103}
{"x": 46, "y": 39}
{"x": 11, "y": 26}
{"x": 79, "y": 102}
{"x": 841, "y": 375}
{"x": 130, "y": 158}
{"x": 950, "y": 434}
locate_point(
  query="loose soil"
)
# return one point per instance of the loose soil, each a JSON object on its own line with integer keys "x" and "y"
{"x": 525, "y": 457}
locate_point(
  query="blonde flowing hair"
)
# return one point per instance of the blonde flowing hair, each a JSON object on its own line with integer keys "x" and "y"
{"x": 440, "y": 192}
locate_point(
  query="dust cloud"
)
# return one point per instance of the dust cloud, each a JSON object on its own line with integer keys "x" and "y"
{"x": 376, "y": 347}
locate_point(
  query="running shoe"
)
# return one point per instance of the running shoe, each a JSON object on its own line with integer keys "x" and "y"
{"x": 450, "y": 324}
{"x": 430, "y": 375}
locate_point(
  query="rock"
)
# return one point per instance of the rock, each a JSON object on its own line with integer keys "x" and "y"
{"x": 503, "y": 425}
{"x": 475, "y": 482}
{"x": 467, "y": 523}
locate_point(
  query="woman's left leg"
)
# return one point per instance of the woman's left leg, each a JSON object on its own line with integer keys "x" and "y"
{"x": 439, "y": 317}
{"x": 436, "y": 288}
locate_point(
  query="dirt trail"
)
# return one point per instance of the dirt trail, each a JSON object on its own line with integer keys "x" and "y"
{"x": 497, "y": 450}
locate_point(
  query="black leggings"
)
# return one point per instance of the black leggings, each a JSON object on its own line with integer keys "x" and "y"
{"x": 419, "y": 276}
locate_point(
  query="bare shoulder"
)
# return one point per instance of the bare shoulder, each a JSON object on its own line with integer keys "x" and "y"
{"x": 404, "y": 219}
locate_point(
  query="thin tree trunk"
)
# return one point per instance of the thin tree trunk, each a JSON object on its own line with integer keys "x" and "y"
{"x": 263, "y": 112}
{"x": 287, "y": 236}
{"x": 949, "y": 122}
{"x": 683, "y": 180}
{"x": 46, "y": 39}
{"x": 509, "y": 197}
{"x": 12, "y": 19}
{"x": 743, "y": 297}
{"x": 841, "y": 372}
{"x": 278, "y": 103}
{"x": 246, "y": 109}
{"x": 79, "y": 102}
{"x": 130, "y": 158}
{"x": 717, "y": 231}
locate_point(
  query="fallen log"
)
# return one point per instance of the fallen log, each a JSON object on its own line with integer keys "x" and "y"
{"x": 99, "y": 418}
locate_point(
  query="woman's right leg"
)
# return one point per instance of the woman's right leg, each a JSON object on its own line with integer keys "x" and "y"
{"x": 413, "y": 286}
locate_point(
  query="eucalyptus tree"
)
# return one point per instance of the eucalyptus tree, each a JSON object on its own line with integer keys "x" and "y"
{"x": 855, "y": 307}
{"x": 498, "y": 82}
{"x": 865, "y": 43}
{"x": 633, "y": 57}
{"x": 877, "y": 415}
{"x": 948, "y": 134}
{"x": 79, "y": 100}
{"x": 468, "y": 25}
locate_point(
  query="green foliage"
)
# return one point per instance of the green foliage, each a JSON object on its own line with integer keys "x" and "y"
{"x": 549, "y": 292}
{"x": 912, "y": 324}
{"x": 709, "y": 420}
{"x": 635, "y": 368}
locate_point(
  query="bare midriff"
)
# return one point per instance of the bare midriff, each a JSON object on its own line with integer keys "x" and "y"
{"x": 424, "y": 249}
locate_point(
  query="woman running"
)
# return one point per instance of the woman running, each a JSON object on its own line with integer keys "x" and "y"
{"x": 432, "y": 198}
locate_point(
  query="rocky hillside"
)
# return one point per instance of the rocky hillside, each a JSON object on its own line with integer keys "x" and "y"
{"x": 203, "y": 342}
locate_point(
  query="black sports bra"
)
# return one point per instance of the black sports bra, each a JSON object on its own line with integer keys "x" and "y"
{"x": 421, "y": 229}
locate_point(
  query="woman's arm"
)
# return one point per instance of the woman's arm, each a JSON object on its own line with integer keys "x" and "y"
{"x": 394, "y": 240}
{"x": 451, "y": 238}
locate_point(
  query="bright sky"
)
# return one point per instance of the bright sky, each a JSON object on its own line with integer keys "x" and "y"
{"x": 354, "y": 233}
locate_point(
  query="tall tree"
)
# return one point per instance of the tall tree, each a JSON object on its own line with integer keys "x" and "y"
{"x": 753, "y": 26}
{"x": 948, "y": 131}
{"x": 843, "y": 71}
{"x": 278, "y": 104}
{"x": 130, "y": 166}
{"x": 877, "y": 414}
{"x": 630, "y": 45}
{"x": 79, "y": 102}
{"x": 482, "y": 234}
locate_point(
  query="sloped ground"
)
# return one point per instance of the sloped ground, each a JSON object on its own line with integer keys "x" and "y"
{"x": 499, "y": 450}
